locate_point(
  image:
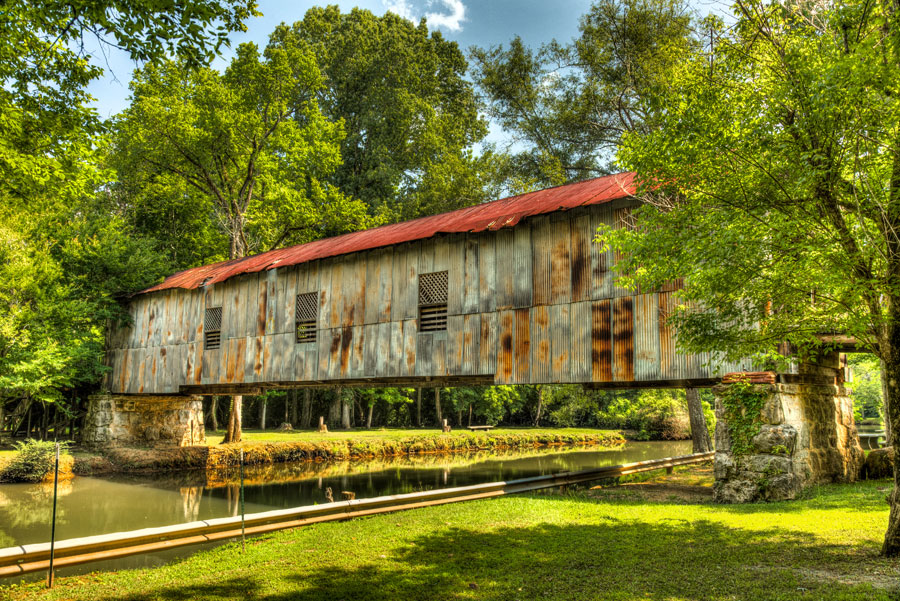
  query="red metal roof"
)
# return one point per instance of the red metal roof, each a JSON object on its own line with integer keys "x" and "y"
{"x": 505, "y": 212}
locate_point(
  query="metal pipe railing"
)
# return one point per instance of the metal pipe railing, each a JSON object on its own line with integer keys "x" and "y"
{"x": 25, "y": 559}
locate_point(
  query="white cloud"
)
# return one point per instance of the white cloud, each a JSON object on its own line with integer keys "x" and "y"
{"x": 451, "y": 18}
{"x": 401, "y": 8}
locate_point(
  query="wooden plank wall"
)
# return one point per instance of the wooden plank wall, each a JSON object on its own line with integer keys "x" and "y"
{"x": 536, "y": 303}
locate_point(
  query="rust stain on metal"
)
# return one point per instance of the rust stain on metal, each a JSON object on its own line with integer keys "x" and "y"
{"x": 523, "y": 345}
{"x": 560, "y": 277}
{"x": 346, "y": 340}
{"x": 489, "y": 216}
{"x": 261, "y": 312}
{"x": 623, "y": 338}
{"x": 239, "y": 359}
{"x": 601, "y": 348}
{"x": 580, "y": 264}
{"x": 257, "y": 364}
{"x": 506, "y": 346}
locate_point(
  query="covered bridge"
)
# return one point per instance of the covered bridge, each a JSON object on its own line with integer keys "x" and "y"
{"x": 513, "y": 291}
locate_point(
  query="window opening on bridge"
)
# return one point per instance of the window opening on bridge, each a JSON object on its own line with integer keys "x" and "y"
{"x": 433, "y": 301}
{"x": 212, "y": 328}
{"x": 306, "y": 316}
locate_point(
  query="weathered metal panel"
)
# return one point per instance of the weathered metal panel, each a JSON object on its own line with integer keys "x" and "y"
{"x": 487, "y": 343}
{"x": 410, "y": 285}
{"x": 326, "y": 299}
{"x": 262, "y": 303}
{"x": 456, "y": 274}
{"x": 601, "y": 260}
{"x": 271, "y": 300}
{"x": 426, "y": 256}
{"x": 408, "y": 361}
{"x": 441, "y": 253}
{"x": 355, "y": 292}
{"x": 581, "y": 257}
{"x": 669, "y": 359}
{"x": 471, "y": 333}
{"x": 383, "y": 350}
{"x": 395, "y": 354}
{"x": 345, "y": 351}
{"x": 370, "y": 335}
{"x": 470, "y": 296}
{"x": 582, "y": 329}
{"x": 541, "y": 243}
{"x": 505, "y": 350}
{"x": 522, "y": 346}
{"x": 401, "y": 282}
{"x": 560, "y": 262}
{"x": 439, "y": 354}
{"x": 646, "y": 338}
{"x": 424, "y": 351}
{"x": 522, "y": 247}
{"x": 196, "y": 350}
{"x": 560, "y": 343}
{"x": 487, "y": 273}
{"x": 456, "y": 345}
{"x": 623, "y": 339}
{"x": 505, "y": 269}
{"x": 601, "y": 341}
{"x": 540, "y": 343}
{"x": 288, "y": 288}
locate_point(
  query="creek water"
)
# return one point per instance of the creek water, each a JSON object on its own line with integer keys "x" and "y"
{"x": 89, "y": 506}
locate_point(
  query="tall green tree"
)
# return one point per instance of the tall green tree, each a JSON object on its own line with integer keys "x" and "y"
{"x": 567, "y": 105}
{"x": 65, "y": 253}
{"x": 243, "y": 153}
{"x": 409, "y": 111}
{"x": 773, "y": 187}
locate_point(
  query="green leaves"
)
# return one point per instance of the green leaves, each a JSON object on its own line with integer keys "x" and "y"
{"x": 769, "y": 180}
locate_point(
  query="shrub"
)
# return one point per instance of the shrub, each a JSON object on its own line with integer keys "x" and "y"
{"x": 32, "y": 462}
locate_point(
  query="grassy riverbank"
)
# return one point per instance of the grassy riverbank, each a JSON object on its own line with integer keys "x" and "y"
{"x": 265, "y": 448}
{"x": 548, "y": 546}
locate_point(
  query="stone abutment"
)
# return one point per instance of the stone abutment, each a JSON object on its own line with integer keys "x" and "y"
{"x": 804, "y": 434}
{"x": 143, "y": 421}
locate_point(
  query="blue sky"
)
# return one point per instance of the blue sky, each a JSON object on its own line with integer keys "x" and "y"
{"x": 469, "y": 22}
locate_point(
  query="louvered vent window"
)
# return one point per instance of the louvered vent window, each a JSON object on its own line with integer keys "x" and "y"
{"x": 433, "y": 301}
{"x": 212, "y": 328}
{"x": 307, "y": 315}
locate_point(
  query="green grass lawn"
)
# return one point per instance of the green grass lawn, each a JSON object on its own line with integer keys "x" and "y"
{"x": 391, "y": 434}
{"x": 544, "y": 546}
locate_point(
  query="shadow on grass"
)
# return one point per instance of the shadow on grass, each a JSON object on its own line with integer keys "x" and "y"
{"x": 616, "y": 559}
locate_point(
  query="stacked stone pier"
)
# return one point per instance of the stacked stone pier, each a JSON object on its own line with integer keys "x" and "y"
{"x": 804, "y": 435}
{"x": 120, "y": 420}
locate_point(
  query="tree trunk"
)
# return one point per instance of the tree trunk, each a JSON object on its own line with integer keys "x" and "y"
{"x": 213, "y": 409}
{"x": 295, "y": 418}
{"x": 369, "y": 416}
{"x": 263, "y": 403}
{"x": 419, "y": 407}
{"x": 889, "y": 345}
{"x": 699, "y": 431}
{"x": 306, "y": 418}
{"x": 540, "y": 407}
{"x": 345, "y": 410}
{"x": 233, "y": 432}
{"x": 437, "y": 407}
{"x": 888, "y": 434}
{"x": 334, "y": 411}
{"x": 470, "y": 416}
{"x": 2, "y": 419}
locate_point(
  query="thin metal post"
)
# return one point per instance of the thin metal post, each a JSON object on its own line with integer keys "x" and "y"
{"x": 53, "y": 520}
{"x": 243, "y": 544}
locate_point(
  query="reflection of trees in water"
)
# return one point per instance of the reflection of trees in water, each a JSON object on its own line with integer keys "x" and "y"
{"x": 190, "y": 498}
{"x": 32, "y": 507}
